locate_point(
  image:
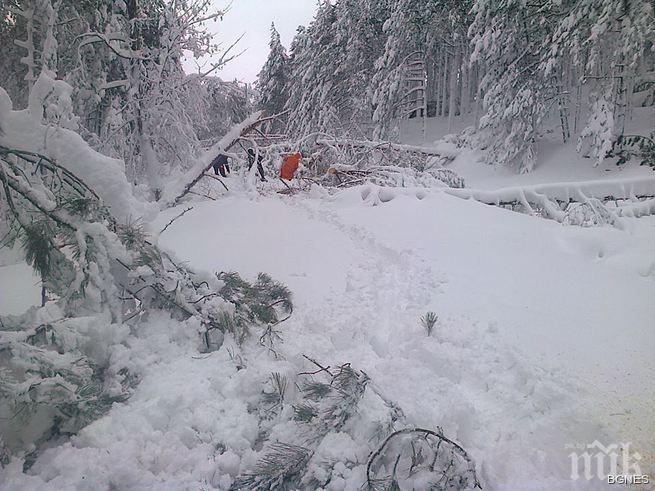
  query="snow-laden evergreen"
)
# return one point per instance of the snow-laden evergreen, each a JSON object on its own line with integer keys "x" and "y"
{"x": 272, "y": 80}
{"x": 518, "y": 70}
{"x": 429, "y": 264}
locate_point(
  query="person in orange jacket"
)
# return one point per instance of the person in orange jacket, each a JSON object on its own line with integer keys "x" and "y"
{"x": 290, "y": 164}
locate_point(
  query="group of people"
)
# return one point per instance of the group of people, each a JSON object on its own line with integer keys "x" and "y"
{"x": 222, "y": 167}
{"x": 290, "y": 164}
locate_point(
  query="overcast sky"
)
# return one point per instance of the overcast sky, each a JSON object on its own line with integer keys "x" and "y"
{"x": 254, "y": 17}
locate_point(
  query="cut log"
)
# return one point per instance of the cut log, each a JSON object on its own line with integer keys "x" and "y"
{"x": 603, "y": 190}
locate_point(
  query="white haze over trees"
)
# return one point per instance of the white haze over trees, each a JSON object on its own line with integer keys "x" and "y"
{"x": 455, "y": 283}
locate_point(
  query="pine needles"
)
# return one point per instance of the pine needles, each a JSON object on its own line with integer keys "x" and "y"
{"x": 280, "y": 468}
{"x": 96, "y": 265}
{"x": 278, "y": 390}
{"x": 329, "y": 402}
{"x": 414, "y": 457}
{"x": 638, "y": 146}
{"x": 428, "y": 321}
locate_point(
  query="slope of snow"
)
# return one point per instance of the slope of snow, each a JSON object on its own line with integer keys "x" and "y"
{"x": 575, "y": 302}
{"x": 575, "y": 299}
{"x": 557, "y": 162}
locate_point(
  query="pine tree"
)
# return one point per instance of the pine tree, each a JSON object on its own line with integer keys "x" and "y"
{"x": 332, "y": 62}
{"x": 273, "y": 78}
{"x": 510, "y": 40}
{"x": 536, "y": 56}
{"x": 73, "y": 211}
{"x": 610, "y": 45}
{"x": 314, "y": 71}
{"x": 124, "y": 61}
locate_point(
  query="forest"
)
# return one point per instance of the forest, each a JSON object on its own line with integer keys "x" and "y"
{"x": 438, "y": 274}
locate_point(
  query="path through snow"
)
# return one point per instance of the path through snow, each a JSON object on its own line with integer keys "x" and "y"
{"x": 362, "y": 275}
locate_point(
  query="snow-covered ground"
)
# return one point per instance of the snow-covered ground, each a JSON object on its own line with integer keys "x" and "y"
{"x": 544, "y": 340}
{"x": 556, "y": 162}
{"x": 545, "y": 336}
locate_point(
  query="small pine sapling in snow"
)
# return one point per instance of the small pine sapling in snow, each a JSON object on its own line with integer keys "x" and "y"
{"x": 428, "y": 321}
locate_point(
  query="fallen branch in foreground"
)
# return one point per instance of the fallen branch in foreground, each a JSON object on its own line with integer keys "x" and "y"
{"x": 207, "y": 174}
{"x": 415, "y": 455}
{"x": 180, "y": 215}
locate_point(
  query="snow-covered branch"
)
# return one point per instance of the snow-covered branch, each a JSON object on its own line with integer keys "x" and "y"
{"x": 448, "y": 153}
{"x": 180, "y": 187}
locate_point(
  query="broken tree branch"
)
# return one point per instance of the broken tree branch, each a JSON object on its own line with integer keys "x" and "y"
{"x": 207, "y": 174}
{"x": 175, "y": 218}
{"x": 174, "y": 193}
{"x": 385, "y": 145}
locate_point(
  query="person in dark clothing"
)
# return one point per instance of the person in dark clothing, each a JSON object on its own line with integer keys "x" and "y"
{"x": 251, "y": 160}
{"x": 221, "y": 166}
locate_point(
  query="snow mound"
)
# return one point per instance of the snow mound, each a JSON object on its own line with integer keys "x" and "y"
{"x": 29, "y": 131}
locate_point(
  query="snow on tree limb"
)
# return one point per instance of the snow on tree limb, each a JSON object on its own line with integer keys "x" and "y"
{"x": 549, "y": 199}
{"x": 604, "y": 190}
{"x": 636, "y": 210}
{"x": 181, "y": 187}
{"x": 29, "y": 131}
{"x": 447, "y": 153}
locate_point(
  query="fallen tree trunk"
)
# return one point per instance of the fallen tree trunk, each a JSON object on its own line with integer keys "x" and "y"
{"x": 444, "y": 153}
{"x": 603, "y": 190}
{"x": 636, "y": 210}
{"x": 178, "y": 189}
{"x": 550, "y": 200}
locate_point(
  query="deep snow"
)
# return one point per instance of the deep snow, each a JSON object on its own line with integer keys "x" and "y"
{"x": 544, "y": 340}
{"x": 575, "y": 302}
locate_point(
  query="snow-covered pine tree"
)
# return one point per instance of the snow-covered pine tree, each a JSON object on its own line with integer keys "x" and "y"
{"x": 122, "y": 57}
{"x": 436, "y": 33}
{"x": 273, "y": 78}
{"x": 332, "y": 61}
{"x": 78, "y": 222}
{"x": 362, "y": 22}
{"x": 610, "y": 45}
{"x": 538, "y": 58}
{"x": 401, "y": 41}
{"x": 312, "y": 74}
{"x": 510, "y": 39}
